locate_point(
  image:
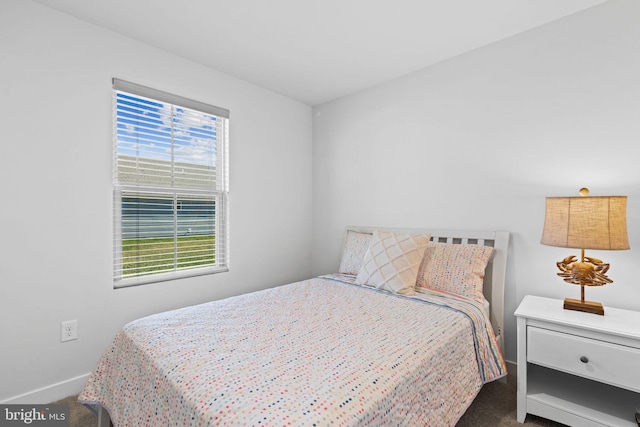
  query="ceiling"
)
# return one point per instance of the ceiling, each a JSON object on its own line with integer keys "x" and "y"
{"x": 315, "y": 51}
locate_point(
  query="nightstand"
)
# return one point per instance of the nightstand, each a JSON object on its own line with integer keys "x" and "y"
{"x": 577, "y": 368}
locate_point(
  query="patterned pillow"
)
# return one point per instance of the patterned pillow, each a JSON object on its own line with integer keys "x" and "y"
{"x": 355, "y": 247}
{"x": 392, "y": 261}
{"x": 452, "y": 268}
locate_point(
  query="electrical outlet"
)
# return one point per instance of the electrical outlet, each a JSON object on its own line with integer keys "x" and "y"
{"x": 69, "y": 330}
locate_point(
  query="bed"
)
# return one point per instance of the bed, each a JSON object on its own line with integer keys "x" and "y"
{"x": 399, "y": 335}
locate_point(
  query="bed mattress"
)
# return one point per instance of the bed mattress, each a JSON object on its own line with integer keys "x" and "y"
{"x": 317, "y": 352}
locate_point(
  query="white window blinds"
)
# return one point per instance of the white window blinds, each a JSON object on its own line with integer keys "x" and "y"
{"x": 170, "y": 186}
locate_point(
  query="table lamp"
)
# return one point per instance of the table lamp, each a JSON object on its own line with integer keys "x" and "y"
{"x": 585, "y": 222}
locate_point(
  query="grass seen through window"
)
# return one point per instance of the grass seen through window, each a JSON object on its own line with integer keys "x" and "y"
{"x": 154, "y": 255}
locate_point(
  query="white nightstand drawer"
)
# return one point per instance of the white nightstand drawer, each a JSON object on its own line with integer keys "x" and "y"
{"x": 614, "y": 364}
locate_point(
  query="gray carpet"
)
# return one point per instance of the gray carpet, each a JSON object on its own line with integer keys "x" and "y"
{"x": 79, "y": 415}
{"x": 495, "y": 406}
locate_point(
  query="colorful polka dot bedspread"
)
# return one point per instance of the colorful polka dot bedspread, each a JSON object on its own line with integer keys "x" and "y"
{"x": 319, "y": 352}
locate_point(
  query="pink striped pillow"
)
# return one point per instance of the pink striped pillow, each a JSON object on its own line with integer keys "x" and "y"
{"x": 454, "y": 268}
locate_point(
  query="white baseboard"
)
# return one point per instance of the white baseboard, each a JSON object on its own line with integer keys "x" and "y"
{"x": 512, "y": 368}
{"x": 51, "y": 393}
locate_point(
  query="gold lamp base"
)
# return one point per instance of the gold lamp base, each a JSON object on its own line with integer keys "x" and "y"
{"x": 581, "y": 305}
{"x": 588, "y": 271}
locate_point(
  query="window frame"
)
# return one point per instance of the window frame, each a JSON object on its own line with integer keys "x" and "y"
{"x": 219, "y": 194}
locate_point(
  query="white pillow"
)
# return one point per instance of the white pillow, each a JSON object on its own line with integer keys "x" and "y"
{"x": 355, "y": 247}
{"x": 392, "y": 261}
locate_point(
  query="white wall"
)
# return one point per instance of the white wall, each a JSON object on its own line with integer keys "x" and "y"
{"x": 55, "y": 170}
{"x": 479, "y": 141}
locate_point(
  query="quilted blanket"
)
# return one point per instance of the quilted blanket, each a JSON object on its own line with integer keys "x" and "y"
{"x": 317, "y": 352}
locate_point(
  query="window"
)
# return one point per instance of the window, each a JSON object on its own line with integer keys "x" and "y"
{"x": 170, "y": 186}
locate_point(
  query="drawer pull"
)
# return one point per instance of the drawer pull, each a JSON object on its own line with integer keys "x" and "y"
{"x": 584, "y": 359}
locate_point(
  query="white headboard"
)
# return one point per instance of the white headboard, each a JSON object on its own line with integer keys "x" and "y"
{"x": 494, "y": 279}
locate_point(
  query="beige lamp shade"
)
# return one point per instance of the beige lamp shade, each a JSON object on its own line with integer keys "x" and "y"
{"x": 591, "y": 222}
